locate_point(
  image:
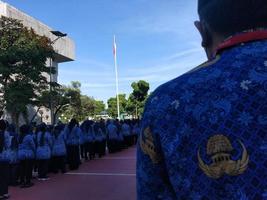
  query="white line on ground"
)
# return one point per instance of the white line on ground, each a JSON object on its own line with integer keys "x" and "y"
{"x": 100, "y": 174}
{"x": 118, "y": 158}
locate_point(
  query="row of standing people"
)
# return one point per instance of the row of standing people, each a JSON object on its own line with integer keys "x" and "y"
{"x": 52, "y": 147}
{"x": 121, "y": 134}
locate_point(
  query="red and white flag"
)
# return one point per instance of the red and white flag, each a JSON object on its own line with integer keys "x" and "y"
{"x": 114, "y": 47}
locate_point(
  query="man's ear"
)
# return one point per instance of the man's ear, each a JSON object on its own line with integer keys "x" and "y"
{"x": 198, "y": 25}
{"x": 205, "y": 34}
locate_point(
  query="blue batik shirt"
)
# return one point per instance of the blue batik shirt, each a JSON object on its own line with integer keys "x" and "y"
{"x": 112, "y": 131}
{"x": 43, "y": 152}
{"x": 27, "y": 148}
{"x": 90, "y": 135}
{"x": 74, "y": 136}
{"x": 125, "y": 129}
{"x": 5, "y": 154}
{"x": 59, "y": 145}
{"x": 13, "y": 151}
{"x": 204, "y": 134}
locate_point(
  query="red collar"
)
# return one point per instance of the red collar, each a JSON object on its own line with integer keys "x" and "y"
{"x": 242, "y": 38}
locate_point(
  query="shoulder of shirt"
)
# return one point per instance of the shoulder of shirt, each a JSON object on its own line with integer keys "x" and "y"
{"x": 28, "y": 137}
{"x": 205, "y": 64}
{"x": 164, "y": 88}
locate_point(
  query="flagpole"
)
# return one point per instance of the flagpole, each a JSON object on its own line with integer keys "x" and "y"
{"x": 116, "y": 72}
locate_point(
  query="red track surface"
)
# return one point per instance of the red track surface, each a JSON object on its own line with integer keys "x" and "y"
{"x": 109, "y": 178}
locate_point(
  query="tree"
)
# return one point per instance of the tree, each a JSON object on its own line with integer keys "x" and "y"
{"x": 23, "y": 56}
{"x": 99, "y": 107}
{"x": 112, "y": 105}
{"x": 61, "y": 97}
{"x": 88, "y": 107}
{"x": 17, "y": 95}
{"x": 74, "y": 106}
{"x": 140, "y": 90}
{"x": 91, "y": 107}
{"x": 131, "y": 105}
{"x": 79, "y": 106}
{"x": 137, "y": 98}
{"x": 76, "y": 85}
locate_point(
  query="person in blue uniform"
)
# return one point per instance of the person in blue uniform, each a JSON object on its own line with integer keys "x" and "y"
{"x": 86, "y": 137}
{"x": 59, "y": 151}
{"x": 26, "y": 155}
{"x": 13, "y": 161}
{"x": 136, "y": 130}
{"x": 83, "y": 150}
{"x": 99, "y": 140}
{"x": 102, "y": 125}
{"x": 112, "y": 135}
{"x": 43, "y": 151}
{"x": 89, "y": 139}
{"x": 126, "y": 132}
{"x": 4, "y": 161}
{"x": 73, "y": 136}
{"x": 204, "y": 133}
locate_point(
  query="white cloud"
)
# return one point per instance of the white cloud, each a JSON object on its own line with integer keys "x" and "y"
{"x": 162, "y": 18}
{"x": 86, "y": 72}
{"x": 166, "y": 69}
{"x": 181, "y": 62}
{"x": 94, "y": 63}
{"x": 187, "y": 52}
{"x": 97, "y": 85}
{"x": 147, "y": 77}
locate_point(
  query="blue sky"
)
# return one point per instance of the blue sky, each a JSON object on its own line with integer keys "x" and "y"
{"x": 156, "y": 40}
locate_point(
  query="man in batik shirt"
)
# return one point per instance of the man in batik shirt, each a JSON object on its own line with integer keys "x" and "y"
{"x": 204, "y": 134}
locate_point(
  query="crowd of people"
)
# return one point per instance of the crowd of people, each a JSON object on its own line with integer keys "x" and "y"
{"x": 33, "y": 151}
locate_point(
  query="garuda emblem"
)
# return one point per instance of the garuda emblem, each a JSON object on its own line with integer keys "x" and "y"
{"x": 220, "y": 148}
{"x": 148, "y": 147}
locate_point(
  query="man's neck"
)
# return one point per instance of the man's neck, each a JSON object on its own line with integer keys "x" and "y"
{"x": 212, "y": 50}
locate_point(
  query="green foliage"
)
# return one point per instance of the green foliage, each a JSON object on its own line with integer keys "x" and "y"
{"x": 59, "y": 97}
{"x": 91, "y": 107}
{"x": 73, "y": 104}
{"x": 134, "y": 105}
{"x": 140, "y": 90}
{"x": 18, "y": 98}
{"x": 73, "y": 109}
{"x": 137, "y": 98}
{"x": 131, "y": 105}
{"x": 23, "y": 56}
{"x": 112, "y": 105}
{"x": 75, "y": 92}
{"x": 99, "y": 107}
{"x": 76, "y": 85}
{"x": 80, "y": 106}
{"x": 88, "y": 106}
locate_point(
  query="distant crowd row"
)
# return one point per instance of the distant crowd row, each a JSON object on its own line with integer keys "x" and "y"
{"x": 40, "y": 149}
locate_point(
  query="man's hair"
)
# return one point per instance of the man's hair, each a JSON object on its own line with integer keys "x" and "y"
{"x": 227, "y": 17}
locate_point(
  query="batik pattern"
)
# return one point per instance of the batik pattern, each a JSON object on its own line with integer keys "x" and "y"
{"x": 229, "y": 98}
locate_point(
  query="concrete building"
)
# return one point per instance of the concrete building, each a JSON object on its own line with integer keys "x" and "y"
{"x": 64, "y": 47}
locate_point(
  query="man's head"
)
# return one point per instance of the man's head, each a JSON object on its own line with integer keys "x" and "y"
{"x": 220, "y": 19}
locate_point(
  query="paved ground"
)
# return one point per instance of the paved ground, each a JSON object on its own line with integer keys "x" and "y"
{"x": 109, "y": 178}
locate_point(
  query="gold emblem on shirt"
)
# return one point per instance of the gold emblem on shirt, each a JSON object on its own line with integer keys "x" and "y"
{"x": 219, "y": 148}
{"x": 147, "y": 145}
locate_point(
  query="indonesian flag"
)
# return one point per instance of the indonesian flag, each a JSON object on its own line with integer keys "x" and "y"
{"x": 114, "y": 47}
